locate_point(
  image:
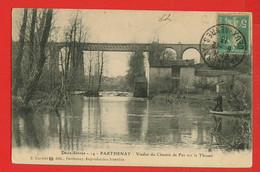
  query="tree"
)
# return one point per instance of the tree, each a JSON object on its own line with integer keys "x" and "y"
{"x": 17, "y": 78}
{"x": 239, "y": 93}
{"x": 95, "y": 63}
{"x": 136, "y": 67}
{"x": 155, "y": 53}
{"x": 158, "y": 53}
{"x": 32, "y": 35}
{"x": 71, "y": 57}
{"x": 100, "y": 70}
{"x": 168, "y": 54}
{"x": 90, "y": 76}
{"x": 31, "y": 85}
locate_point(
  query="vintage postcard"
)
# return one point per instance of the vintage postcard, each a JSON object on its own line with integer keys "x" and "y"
{"x": 132, "y": 88}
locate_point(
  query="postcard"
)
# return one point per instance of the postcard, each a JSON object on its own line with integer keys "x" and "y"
{"x": 132, "y": 88}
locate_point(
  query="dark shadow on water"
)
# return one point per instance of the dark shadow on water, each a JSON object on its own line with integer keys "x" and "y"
{"x": 94, "y": 116}
{"x": 70, "y": 125}
{"x": 164, "y": 131}
{"x": 174, "y": 126}
{"x": 40, "y": 131}
{"x": 27, "y": 130}
{"x": 163, "y": 125}
{"x": 231, "y": 133}
{"x": 136, "y": 111}
{"x": 16, "y": 131}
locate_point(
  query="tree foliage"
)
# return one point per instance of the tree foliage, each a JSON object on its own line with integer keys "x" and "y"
{"x": 158, "y": 53}
{"x": 136, "y": 67}
{"x": 31, "y": 55}
{"x": 240, "y": 93}
{"x": 155, "y": 53}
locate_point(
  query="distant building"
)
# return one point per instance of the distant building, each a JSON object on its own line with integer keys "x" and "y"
{"x": 186, "y": 75}
{"x": 222, "y": 79}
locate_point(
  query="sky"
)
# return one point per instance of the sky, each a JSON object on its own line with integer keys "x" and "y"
{"x": 123, "y": 26}
{"x": 131, "y": 26}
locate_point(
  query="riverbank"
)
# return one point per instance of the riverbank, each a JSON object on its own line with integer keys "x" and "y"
{"x": 36, "y": 105}
{"x": 206, "y": 102}
{"x": 105, "y": 94}
{"x": 203, "y": 101}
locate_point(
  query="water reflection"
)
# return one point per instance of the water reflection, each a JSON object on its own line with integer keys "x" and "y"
{"x": 70, "y": 125}
{"x": 201, "y": 136}
{"x": 231, "y": 133}
{"x": 163, "y": 124}
{"x": 29, "y": 130}
{"x": 16, "y": 132}
{"x": 112, "y": 122}
{"x": 137, "y": 119}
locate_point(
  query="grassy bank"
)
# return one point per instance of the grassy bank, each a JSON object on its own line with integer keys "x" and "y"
{"x": 197, "y": 100}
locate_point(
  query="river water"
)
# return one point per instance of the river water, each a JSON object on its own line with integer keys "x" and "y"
{"x": 125, "y": 123}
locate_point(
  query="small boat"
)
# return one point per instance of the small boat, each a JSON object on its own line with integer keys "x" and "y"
{"x": 231, "y": 113}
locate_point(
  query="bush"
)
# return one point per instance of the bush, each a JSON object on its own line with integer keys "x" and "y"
{"x": 160, "y": 85}
{"x": 240, "y": 94}
{"x": 202, "y": 84}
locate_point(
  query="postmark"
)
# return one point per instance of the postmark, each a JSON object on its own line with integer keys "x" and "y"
{"x": 223, "y": 46}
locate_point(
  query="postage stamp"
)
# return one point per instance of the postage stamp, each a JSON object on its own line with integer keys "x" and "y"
{"x": 241, "y": 23}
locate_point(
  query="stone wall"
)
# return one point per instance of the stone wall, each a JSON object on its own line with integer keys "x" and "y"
{"x": 187, "y": 77}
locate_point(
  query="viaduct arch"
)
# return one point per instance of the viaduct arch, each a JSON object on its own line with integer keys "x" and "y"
{"x": 122, "y": 47}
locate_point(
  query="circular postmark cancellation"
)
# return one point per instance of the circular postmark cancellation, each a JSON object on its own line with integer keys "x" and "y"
{"x": 223, "y": 46}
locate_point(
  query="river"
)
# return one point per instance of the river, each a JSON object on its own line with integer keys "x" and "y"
{"x": 124, "y": 123}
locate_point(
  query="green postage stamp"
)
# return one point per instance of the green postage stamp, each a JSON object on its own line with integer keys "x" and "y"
{"x": 233, "y": 33}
